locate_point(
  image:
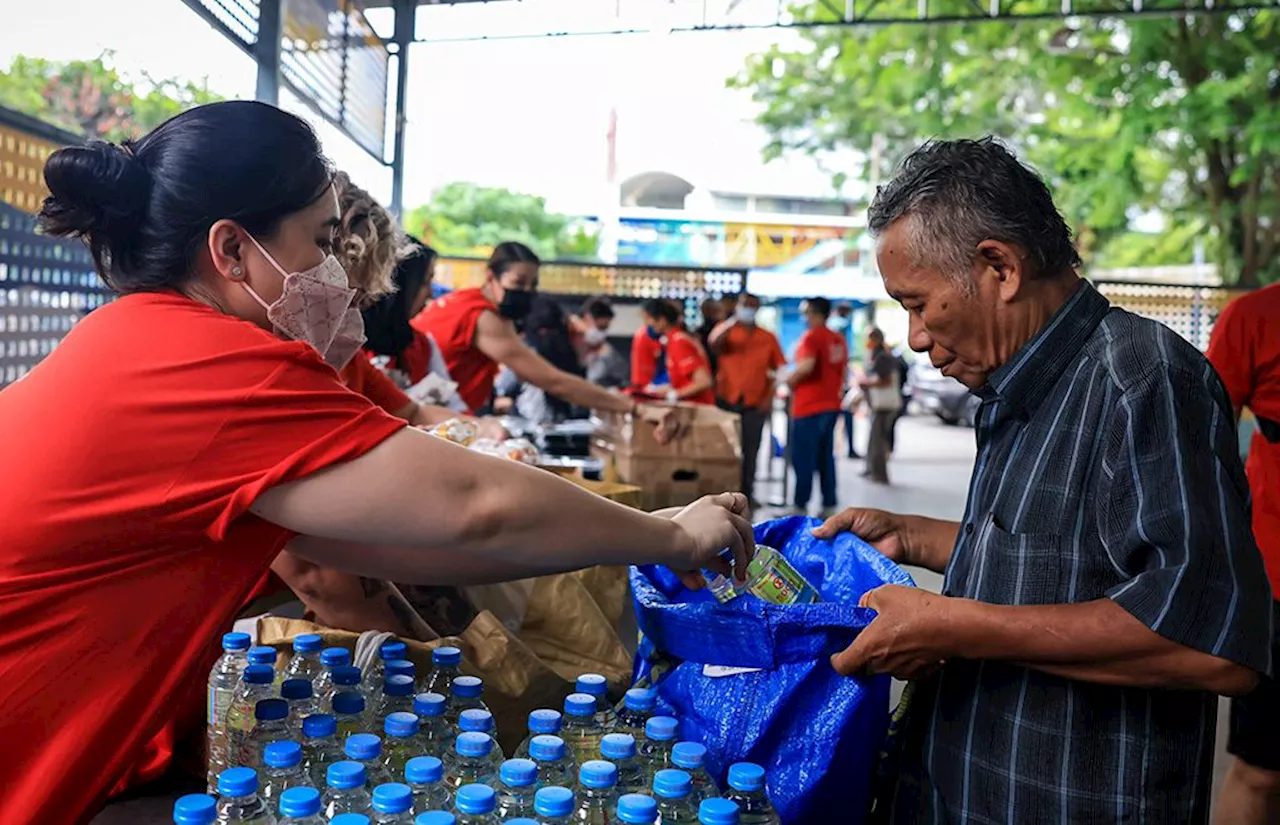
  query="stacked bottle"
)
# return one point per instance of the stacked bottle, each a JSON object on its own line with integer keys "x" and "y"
{"x": 595, "y": 685}
{"x": 554, "y": 805}
{"x": 425, "y": 777}
{"x": 401, "y": 742}
{"x": 301, "y": 806}
{"x": 746, "y": 788}
{"x": 320, "y": 746}
{"x": 597, "y": 783}
{"x": 556, "y": 765}
{"x": 346, "y": 791}
{"x": 281, "y": 770}
{"x": 224, "y": 679}
{"x": 620, "y": 749}
{"x": 392, "y": 804}
{"x": 470, "y": 763}
{"x": 464, "y": 694}
{"x": 330, "y": 658}
{"x": 637, "y": 707}
{"x": 674, "y": 789}
{"x": 637, "y": 809}
{"x": 659, "y": 738}
{"x": 446, "y": 665}
{"x": 581, "y": 730}
{"x": 518, "y": 783}
{"x": 542, "y": 722}
{"x": 434, "y": 733}
{"x": 255, "y": 686}
{"x": 474, "y": 804}
{"x": 305, "y": 662}
{"x": 239, "y": 801}
{"x": 195, "y": 809}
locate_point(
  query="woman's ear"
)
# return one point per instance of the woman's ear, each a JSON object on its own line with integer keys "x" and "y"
{"x": 225, "y": 250}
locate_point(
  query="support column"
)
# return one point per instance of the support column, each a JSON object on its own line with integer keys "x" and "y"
{"x": 405, "y": 16}
{"x": 266, "y": 52}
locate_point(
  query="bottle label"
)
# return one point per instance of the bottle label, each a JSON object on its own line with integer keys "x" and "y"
{"x": 781, "y": 584}
{"x": 216, "y": 707}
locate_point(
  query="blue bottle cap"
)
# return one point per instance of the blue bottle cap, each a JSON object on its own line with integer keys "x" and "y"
{"x": 259, "y": 674}
{"x": 524, "y": 820}
{"x": 335, "y": 657}
{"x": 348, "y": 702}
{"x": 438, "y": 818}
{"x": 282, "y": 754}
{"x": 553, "y": 801}
{"x": 428, "y": 704}
{"x": 197, "y": 808}
{"x": 546, "y": 748}
{"x": 300, "y": 802}
{"x": 640, "y": 699}
{"x": 618, "y": 746}
{"x": 467, "y": 687}
{"x": 345, "y": 775}
{"x": 672, "y": 784}
{"x": 398, "y": 686}
{"x": 475, "y": 719}
{"x": 421, "y": 770}
{"x": 392, "y": 650}
{"x": 518, "y": 773}
{"x": 345, "y": 675}
{"x": 319, "y": 724}
{"x": 473, "y": 744}
{"x": 598, "y": 774}
{"x": 689, "y": 755}
{"x": 746, "y": 777}
{"x": 580, "y": 705}
{"x": 237, "y": 782}
{"x": 592, "y": 684}
{"x": 349, "y": 819}
{"x": 475, "y": 800}
{"x": 544, "y": 721}
{"x": 362, "y": 747}
{"x": 400, "y": 667}
{"x": 307, "y": 643}
{"x": 446, "y": 656}
{"x": 230, "y": 641}
{"x": 661, "y": 728}
{"x": 271, "y": 710}
{"x": 400, "y": 725}
{"x": 718, "y": 812}
{"x": 637, "y": 809}
{"x": 262, "y": 655}
{"x": 296, "y": 689}
{"x": 392, "y": 798}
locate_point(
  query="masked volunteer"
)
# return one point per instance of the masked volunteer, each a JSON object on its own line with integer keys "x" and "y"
{"x": 410, "y": 356}
{"x": 688, "y": 367}
{"x": 132, "y": 529}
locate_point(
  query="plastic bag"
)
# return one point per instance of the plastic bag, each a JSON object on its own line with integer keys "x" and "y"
{"x": 752, "y": 681}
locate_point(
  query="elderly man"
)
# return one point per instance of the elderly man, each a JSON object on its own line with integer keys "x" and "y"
{"x": 1103, "y": 586}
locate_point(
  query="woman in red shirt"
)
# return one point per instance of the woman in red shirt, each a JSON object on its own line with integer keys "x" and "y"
{"x": 688, "y": 368}
{"x": 132, "y": 529}
{"x": 387, "y": 321}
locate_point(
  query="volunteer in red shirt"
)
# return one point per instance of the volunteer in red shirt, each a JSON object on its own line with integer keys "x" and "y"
{"x": 688, "y": 370}
{"x": 817, "y": 382}
{"x": 1245, "y": 350}
{"x": 648, "y": 360}
{"x": 387, "y": 322}
{"x": 131, "y": 530}
{"x": 475, "y": 333}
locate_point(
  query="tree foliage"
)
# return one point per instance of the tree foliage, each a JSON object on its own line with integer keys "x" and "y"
{"x": 466, "y": 219}
{"x": 1179, "y": 115}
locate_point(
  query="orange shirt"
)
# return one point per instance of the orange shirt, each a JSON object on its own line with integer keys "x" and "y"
{"x": 450, "y": 323}
{"x": 646, "y": 352}
{"x": 748, "y": 354}
{"x": 821, "y": 391}
{"x": 126, "y": 542}
{"x": 363, "y": 377}
{"x": 1245, "y": 350}
{"x": 685, "y": 357}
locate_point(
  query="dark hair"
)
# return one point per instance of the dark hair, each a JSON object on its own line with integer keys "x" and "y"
{"x": 821, "y": 306}
{"x": 960, "y": 193}
{"x": 386, "y": 322}
{"x": 660, "y": 308}
{"x": 876, "y": 334}
{"x": 511, "y": 252}
{"x": 546, "y": 331}
{"x": 598, "y": 307}
{"x": 145, "y": 207}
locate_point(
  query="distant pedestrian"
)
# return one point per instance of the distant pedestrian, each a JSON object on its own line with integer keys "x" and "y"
{"x": 816, "y": 382}
{"x": 884, "y": 396}
{"x": 840, "y": 322}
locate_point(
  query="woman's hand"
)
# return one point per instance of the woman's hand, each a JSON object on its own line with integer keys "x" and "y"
{"x": 670, "y": 424}
{"x": 489, "y": 427}
{"x": 712, "y": 524}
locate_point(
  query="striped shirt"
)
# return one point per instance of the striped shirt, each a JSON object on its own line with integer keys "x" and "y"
{"x": 1107, "y": 468}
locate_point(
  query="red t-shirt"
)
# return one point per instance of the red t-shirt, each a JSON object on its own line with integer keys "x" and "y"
{"x": 450, "y": 322}
{"x": 363, "y": 377}
{"x": 822, "y": 390}
{"x": 1245, "y": 350}
{"x": 126, "y": 545}
{"x": 685, "y": 356}
{"x": 646, "y": 352}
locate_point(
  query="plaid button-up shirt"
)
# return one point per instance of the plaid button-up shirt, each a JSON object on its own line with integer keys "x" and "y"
{"x": 1107, "y": 468}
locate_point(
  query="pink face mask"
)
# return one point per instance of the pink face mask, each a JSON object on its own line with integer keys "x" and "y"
{"x": 315, "y": 306}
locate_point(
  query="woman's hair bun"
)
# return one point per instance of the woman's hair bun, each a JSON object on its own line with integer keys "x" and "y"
{"x": 98, "y": 190}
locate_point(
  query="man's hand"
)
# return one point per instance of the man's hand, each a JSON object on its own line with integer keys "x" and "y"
{"x": 713, "y": 523}
{"x": 885, "y": 531}
{"x": 909, "y": 639}
{"x": 669, "y": 421}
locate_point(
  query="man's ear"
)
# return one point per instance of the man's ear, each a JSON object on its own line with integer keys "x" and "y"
{"x": 1005, "y": 264}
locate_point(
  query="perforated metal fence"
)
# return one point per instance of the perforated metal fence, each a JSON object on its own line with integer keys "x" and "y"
{"x": 1190, "y": 311}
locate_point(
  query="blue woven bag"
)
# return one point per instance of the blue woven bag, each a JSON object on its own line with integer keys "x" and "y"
{"x": 817, "y": 734}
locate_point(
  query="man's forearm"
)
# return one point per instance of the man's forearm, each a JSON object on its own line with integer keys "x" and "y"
{"x": 931, "y": 542}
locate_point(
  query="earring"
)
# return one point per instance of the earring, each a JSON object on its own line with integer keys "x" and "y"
{"x": 237, "y": 270}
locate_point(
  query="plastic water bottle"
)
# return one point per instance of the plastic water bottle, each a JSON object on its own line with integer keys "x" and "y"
{"x": 301, "y": 806}
{"x": 523, "y": 820}
{"x": 350, "y": 819}
{"x": 581, "y": 730}
{"x": 195, "y": 809}
{"x": 263, "y": 655}
{"x": 541, "y": 723}
{"x": 305, "y": 662}
{"x": 281, "y": 770}
{"x": 554, "y": 805}
{"x": 345, "y": 678}
{"x": 396, "y": 697}
{"x": 330, "y": 658}
{"x": 637, "y": 809}
{"x": 392, "y": 804}
{"x": 691, "y": 758}
{"x": 659, "y": 739}
{"x": 255, "y": 685}
{"x": 475, "y": 804}
{"x": 239, "y": 803}
{"x": 464, "y": 694}
{"x": 470, "y": 763}
{"x": 425, "y": 776}
{"x": 271, "y": 723}
{"x": 400, "y": 742}
{"x": 446, "y": 665}
{"x": 772, "y": 578}
{"x": 518, "y": 782}
{"x": 481, "y": 721}
{"x": 598, "y": 782}
{"x": 556, "y": 765}
{"x": 223, "y": 681}
{"x": 320, "y": 746}
{"x": 299, "y": 693}
{"x": 674, "y": 789}
{"x": 348, "y": 710}
{"x": 438, "y": 818}
{"x": 620, "y": 749}
{"x": 402, "y": 667}
{"x": 718, "y": 812}
{"x": 366, "y": 749}
{"x": 637, "y": 708}
{"x": 346, "y": 792}
{"x": 746, "y": 787}
{"x": 593, "y": 684}
{"x": 434, "y": 731}
{"x": 373, "y": 679}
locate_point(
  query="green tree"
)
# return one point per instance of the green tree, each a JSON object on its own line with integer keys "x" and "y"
{"x": 1178, "y": 115}
{"x": 91, "y": 98}
{"x": 466, "y": 219}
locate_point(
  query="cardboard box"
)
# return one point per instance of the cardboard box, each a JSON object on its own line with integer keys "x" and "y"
{"x": 674, "y": 481}
{"x": 710, "y": 432}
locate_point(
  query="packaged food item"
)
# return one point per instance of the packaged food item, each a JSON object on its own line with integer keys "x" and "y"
{"x": 520, "y": 449}
{"x": 458, "y": 430}
{"x": 489, "y": 446}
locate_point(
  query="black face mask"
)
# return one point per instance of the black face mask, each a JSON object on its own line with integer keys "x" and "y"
{"x": 516, "y": 304}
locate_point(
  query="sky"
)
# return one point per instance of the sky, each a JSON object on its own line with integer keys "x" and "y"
{"x": 531, "y": 115}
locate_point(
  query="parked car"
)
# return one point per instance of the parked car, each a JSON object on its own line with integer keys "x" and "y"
{"x": 945, "y": 397}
